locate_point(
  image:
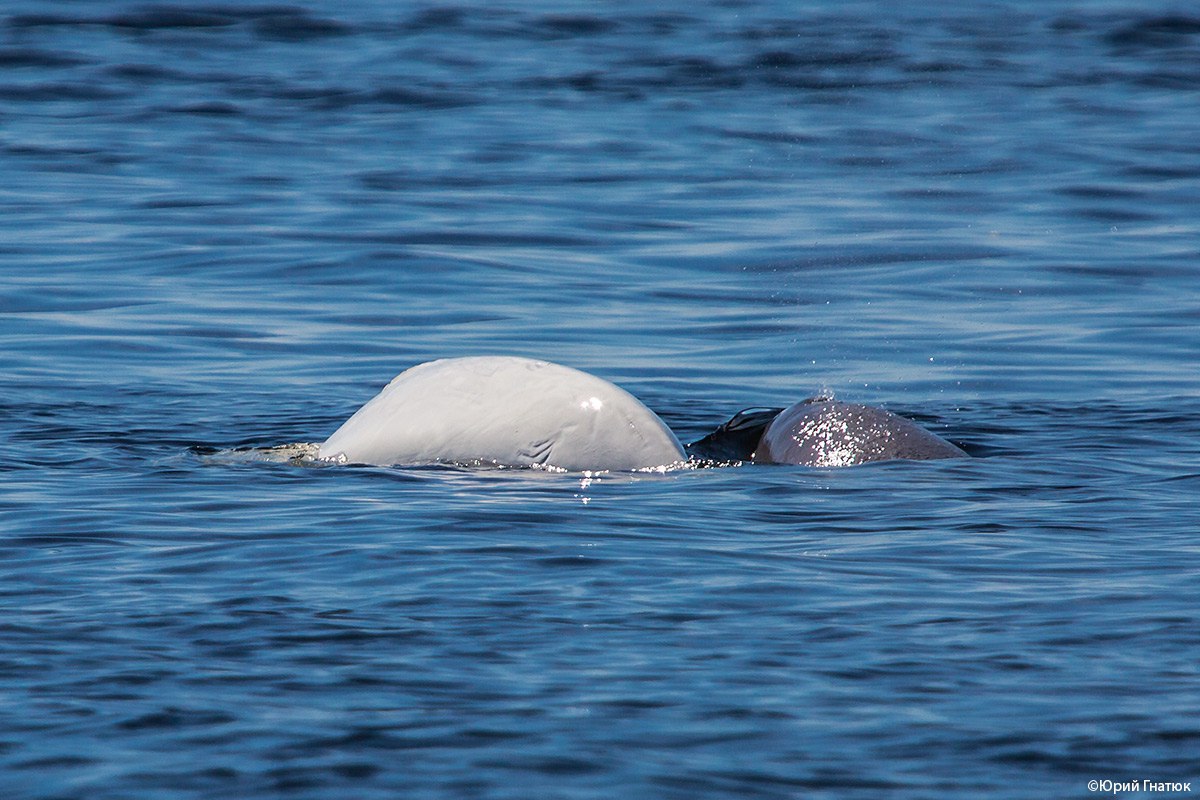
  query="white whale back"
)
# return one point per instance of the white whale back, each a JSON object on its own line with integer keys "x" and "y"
{"x": 504, "y": 411}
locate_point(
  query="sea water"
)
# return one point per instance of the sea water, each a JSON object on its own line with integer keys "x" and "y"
{"x": 224, "y": 227}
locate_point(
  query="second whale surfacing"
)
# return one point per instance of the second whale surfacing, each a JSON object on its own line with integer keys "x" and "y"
{"x": 821, "y": 432}
{"x": 504, "y": 411}
{"x": 827, "y": 433}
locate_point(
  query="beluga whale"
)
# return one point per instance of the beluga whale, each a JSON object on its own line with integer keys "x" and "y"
{"x": 821, "y": 432}
{"x": 507, "y": 411}
{"x": 504, "y": 411}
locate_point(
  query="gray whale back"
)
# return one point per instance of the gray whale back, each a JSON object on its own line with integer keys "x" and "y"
{"x": 828, "y": 433}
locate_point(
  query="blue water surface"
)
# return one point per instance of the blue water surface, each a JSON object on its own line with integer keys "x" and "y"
{"x": 226, "y": 226}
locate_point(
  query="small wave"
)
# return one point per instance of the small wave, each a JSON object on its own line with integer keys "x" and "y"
{"x": 298, "y": 454}
{"x": 31, "y": 57}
